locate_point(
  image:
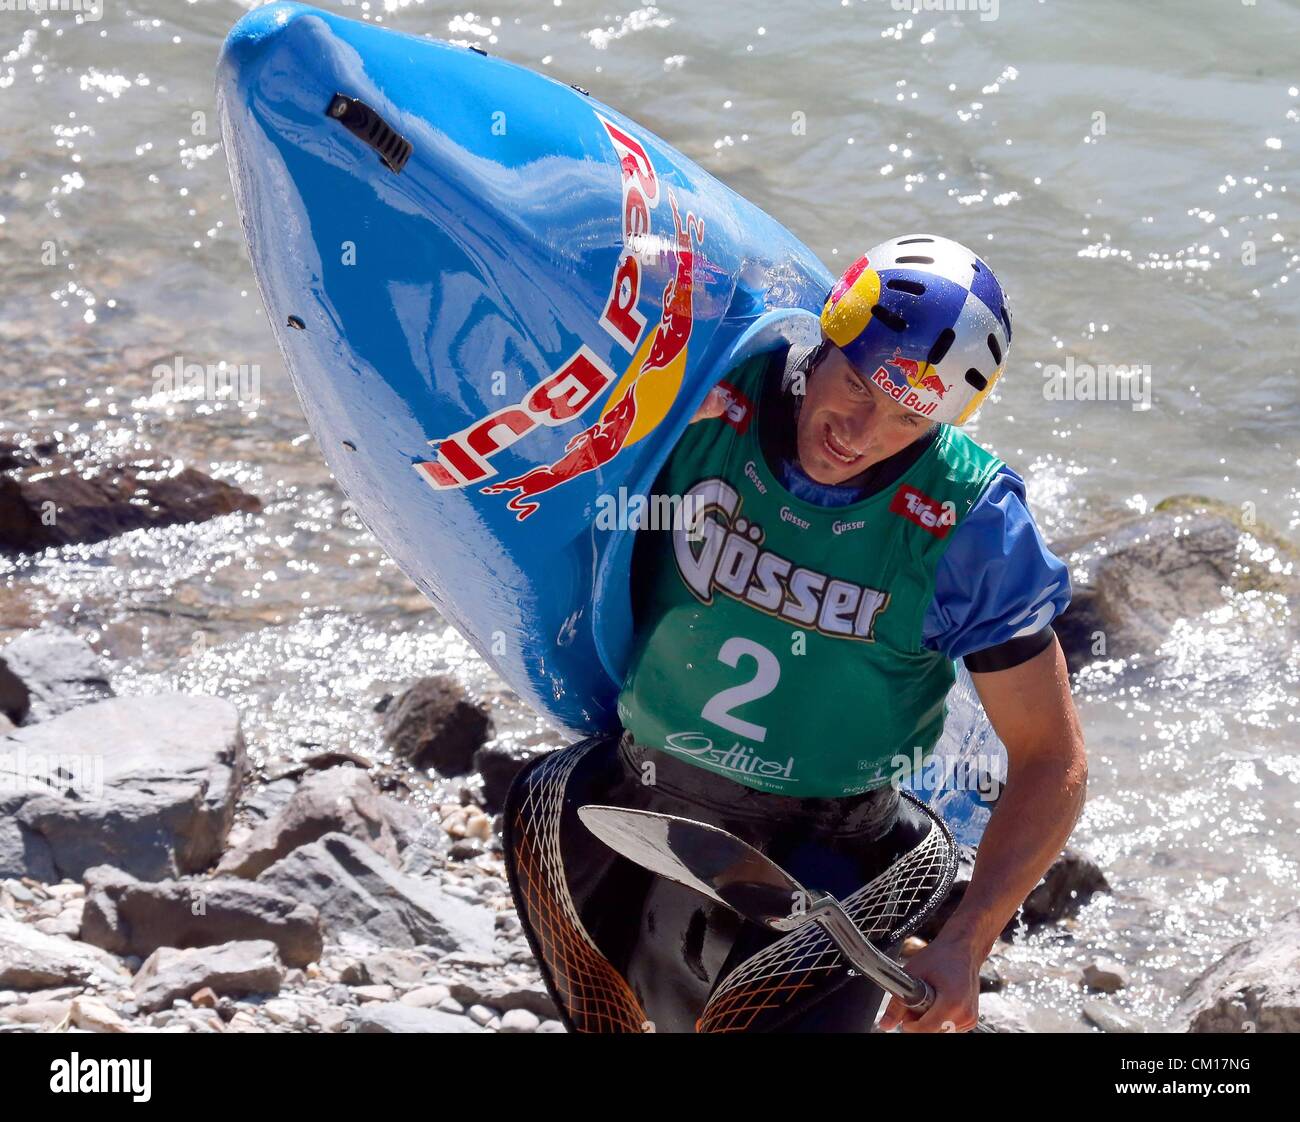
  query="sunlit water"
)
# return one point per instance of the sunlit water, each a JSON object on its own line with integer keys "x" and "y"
{"x": 1128, "y": 169}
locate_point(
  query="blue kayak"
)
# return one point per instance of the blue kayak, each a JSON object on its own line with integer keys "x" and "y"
{"x": 500, "y": 301}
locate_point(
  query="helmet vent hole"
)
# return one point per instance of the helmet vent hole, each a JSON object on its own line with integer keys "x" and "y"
{"x": 914, "y": 287}
{"x": 976, "y": 379}
{"x": 995, "y": 350}
{"x": 975, "y": 265}
{"x": 941, "y": 345}
{"x": 915, "y": 261}
{"x": 914, "y": 241}
{"x": 1006, "y": 319}
{"x": 892, "y": 320}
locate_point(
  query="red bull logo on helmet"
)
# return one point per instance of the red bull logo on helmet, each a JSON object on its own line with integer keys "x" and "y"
{"x": 463, "y": 457}
{"x": 920, "y": 389}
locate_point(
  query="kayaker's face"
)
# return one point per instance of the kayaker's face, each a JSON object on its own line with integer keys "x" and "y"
{"x": 847, "y": 424}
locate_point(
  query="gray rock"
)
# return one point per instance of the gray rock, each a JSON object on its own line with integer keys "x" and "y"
{"x": 498, "y": 763}
{"x": 519, "y": 1020}
{"x": 128, "y": 916}
{"x": 31, "y": 960}
{"x": 341, "y": 800}
{"x": 98, "y": 501}
{"x": 1067, "y": 886}
{"x": 504, "y": 996}
{"x": 386, "y": 968}
{"x": 425, "y": 997}
{"x": 146, "y": 784}
{"x": 1134, "y": 578}
{"x": 232, "y": 969}
{"x": 395, "y": 1017}
{"x": 1109, "y": 1019}
{"x": 434, "y": 724}
{"x": 49, "y": 672}
{"x": 266, "y": 800}
{"x": 356, "y": 890}
{"x": 1002, "y": 1014}
{"x": 1255, "y": 987}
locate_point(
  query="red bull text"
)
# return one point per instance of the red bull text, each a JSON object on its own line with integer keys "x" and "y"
{"x": 463, "y": 457}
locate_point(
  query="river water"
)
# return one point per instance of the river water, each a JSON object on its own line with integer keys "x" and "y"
{"x": 1129, "y": 170}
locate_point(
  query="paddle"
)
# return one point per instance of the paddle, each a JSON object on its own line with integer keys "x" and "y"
{"x": 735, "y": 874}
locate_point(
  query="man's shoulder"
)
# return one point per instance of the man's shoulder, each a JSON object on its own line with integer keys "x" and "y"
{"x": 965, "y": 460}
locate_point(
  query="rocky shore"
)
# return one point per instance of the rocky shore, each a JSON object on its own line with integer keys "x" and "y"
{"x": 155, "y": 877}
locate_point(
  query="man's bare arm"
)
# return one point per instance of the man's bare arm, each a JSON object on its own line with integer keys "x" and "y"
{"x": 1031, "y": 708}
{"x": 1033, "y": 713}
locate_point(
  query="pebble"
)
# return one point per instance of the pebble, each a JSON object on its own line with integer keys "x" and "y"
{"x": 282, "y": 1011}
{"x": 373, "y": 993}
{"x": 1103, "y": 975}
{"x": 481, "y": 1014}
{"x": 425, "y": 997}
{"x": 519, "y": 1020}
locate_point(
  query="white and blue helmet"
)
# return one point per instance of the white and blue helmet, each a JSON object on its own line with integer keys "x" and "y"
{"x": 925, "y": 320}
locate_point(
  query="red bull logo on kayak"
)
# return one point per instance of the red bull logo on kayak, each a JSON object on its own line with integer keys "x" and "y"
{"x": 920, "y": 389}
{"x": 463, "y": 458}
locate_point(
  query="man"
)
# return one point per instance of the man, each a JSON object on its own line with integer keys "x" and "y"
{"x": 798, "y": 642}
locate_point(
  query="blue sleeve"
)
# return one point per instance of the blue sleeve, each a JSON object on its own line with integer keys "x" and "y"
{"x": 997, "y": 579}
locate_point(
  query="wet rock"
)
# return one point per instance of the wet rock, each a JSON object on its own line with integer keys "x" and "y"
{"x": 128, "y": 916}
{"x": 1104, "y": 976}
{"x": 232, "y": 969}
{"x": 498, "y": 763}
{"x": 338, "y": 801}
{"x": 991, "y": 979}
{"x": 435, "y": 724}
{"x": 266, "y": 800}
{"x": 1135, "y": 577}
{"x": 30, "y": 960}
{"x": 1109, "y": 1019}
{"x": 1067, "y": 886}
{"x": 395, "y": 1017}
{"x": 146, "y": 784}
{"x": 336, "y": 757}
{"x": 49, "y": 672}
{"x": 1255, "y": 987}
{"x": 1002, "y": 1014}
{"x": 356, "y": 890}
{"x": 53, "y": 500}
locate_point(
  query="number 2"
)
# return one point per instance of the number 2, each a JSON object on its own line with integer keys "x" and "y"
{"x": 767, "y": 674}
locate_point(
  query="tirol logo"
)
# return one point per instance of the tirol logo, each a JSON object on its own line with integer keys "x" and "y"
{"x": 463, "y": 458}
{"x": 739, "y": 408}
{"x": 917, "y": 375}
{"x": 935, "y": 517}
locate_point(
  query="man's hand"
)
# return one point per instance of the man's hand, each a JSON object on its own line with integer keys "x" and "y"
{"x": 952, "y": 968}
{"x": 1031, "y": 710}
{"x": 712, "y": 406}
